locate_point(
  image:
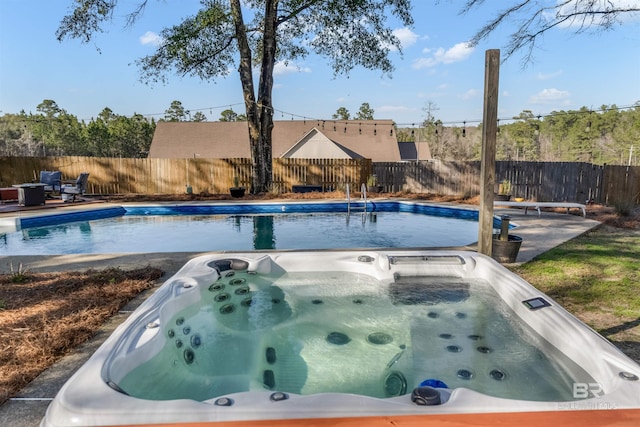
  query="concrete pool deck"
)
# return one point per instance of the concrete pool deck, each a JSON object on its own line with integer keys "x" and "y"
{"x": 26, "y": 409}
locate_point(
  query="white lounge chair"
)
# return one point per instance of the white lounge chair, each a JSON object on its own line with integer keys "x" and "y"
{"x": 538, "y": 205}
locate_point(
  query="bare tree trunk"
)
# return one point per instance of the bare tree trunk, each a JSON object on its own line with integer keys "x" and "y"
{"x": 265, "y": 101}
{"x": 246, "y": 78}
{"x": 260, "y": 113}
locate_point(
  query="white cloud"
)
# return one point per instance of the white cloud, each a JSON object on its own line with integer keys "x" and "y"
{"x": 457, "y": 53}
{"x": 406, "y": 37}
{"x": 282, "y": 68}
{"x": 547, "y": 96}
{"x": 150, "y": 38}
{"x": 543, "y": 76}
{"x": 506, "y": 93}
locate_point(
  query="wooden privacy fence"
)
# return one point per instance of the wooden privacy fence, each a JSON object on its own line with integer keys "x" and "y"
{"x": 621, "y": 185}
{"x": 448, "y": 178}
{"x": 171, "y": 176}
{"x": 329, "y": 173}
{"x": 557, "y": 181}
{"x": 542, "y": 181}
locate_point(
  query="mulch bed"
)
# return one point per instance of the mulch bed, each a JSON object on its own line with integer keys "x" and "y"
{"x": 44, "y": 316}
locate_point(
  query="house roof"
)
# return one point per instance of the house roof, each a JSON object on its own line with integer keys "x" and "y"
{"x": 371, "y": 139}
{"x": 315, "y": 145}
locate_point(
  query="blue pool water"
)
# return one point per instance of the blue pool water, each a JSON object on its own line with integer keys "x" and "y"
{"x": 198, "y": 228}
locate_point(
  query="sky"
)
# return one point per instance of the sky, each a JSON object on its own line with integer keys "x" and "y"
{"x": 436, "y": 67}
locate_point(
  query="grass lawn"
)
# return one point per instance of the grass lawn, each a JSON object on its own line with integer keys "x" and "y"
{"x": 597, "y": 278}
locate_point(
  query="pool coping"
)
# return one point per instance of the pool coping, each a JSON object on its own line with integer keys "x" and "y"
{"x": 27, "y": 408}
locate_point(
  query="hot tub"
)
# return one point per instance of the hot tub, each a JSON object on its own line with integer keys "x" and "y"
{"x": 350, "y": 337}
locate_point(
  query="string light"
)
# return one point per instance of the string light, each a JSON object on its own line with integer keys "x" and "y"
{"x": 439, "y": 123}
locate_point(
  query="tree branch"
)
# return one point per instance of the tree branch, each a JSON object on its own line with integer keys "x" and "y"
{"x": 202, "y": 61}
{"x": 491, "y": 26}
{"x": 133, "y": 16}
{"x": 295, "y": 12}
{"x": 86, "y": 19}
{"x": 583, "y": 14}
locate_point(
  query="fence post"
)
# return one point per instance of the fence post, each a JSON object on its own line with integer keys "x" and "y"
{"x": 488, "y": 165}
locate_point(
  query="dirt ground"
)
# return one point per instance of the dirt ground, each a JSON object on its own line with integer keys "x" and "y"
{"x": 44, "y": 316}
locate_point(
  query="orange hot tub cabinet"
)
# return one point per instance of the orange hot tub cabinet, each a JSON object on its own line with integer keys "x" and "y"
{"x": 588, "y": 418}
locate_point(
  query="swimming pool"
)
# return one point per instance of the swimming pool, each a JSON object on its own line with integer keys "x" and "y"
{"x": 363, "y": 337}
{"x": 262, "y": 226}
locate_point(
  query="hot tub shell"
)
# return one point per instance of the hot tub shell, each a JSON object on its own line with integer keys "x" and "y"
{"x": 90, "y": 397}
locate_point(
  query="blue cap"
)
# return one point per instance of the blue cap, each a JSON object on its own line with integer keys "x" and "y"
{"x": 433, "y": 383}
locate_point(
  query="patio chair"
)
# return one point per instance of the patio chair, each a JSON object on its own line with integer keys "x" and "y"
{"x": 70, "y": 191}
{"x": 52, "y": 181}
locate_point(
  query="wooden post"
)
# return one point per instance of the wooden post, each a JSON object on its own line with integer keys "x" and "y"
{"x": 488, "y": 165}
